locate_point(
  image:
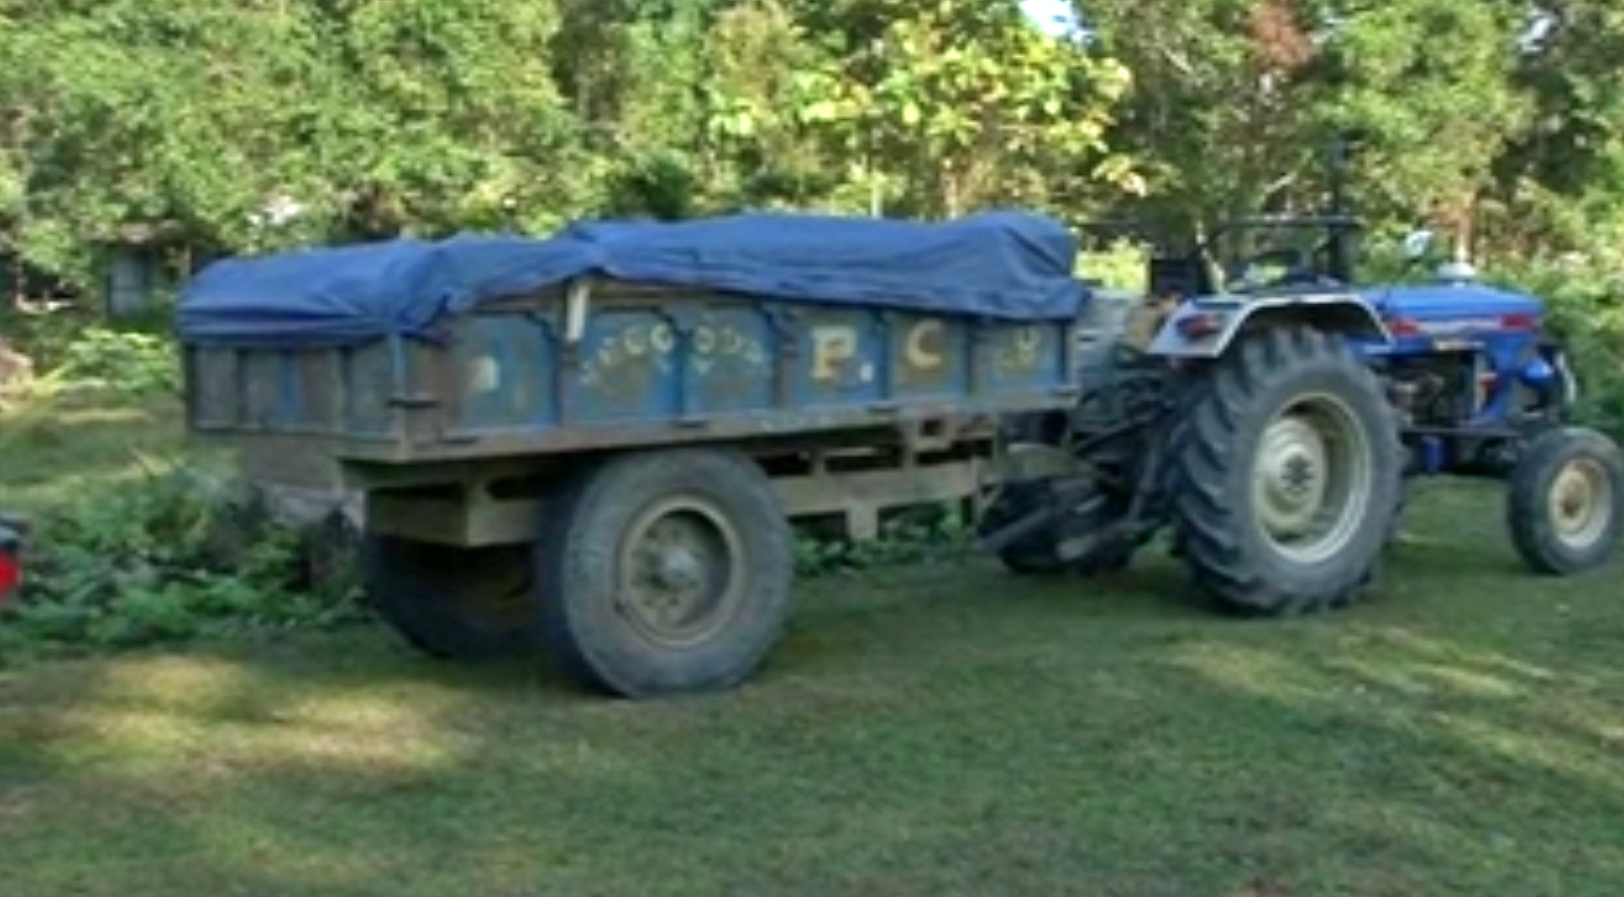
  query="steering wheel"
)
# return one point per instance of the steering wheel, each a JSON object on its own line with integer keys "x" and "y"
{"x": 1297, "y": 269}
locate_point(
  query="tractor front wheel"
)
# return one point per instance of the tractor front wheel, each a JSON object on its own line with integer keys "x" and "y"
{"x": 1562, "y": 507}
{"x": 1287, "y": 471}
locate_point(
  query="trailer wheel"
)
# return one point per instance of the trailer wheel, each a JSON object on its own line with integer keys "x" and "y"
{"x": 449, "y": 602}
{"x": 1288, "y": 470}
{"x": 668, "y": 571}
{"x": 1563, "y": 503}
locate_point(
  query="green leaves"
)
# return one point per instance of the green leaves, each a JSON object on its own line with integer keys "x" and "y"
{"x": 967, "y": 103}
{"x": 366, "y": 117}
{"x": 173, "y": 555}
{"x": 254, "y": 126}
{"x": 1467, "y": 119}
{"x": 249, "y": 126}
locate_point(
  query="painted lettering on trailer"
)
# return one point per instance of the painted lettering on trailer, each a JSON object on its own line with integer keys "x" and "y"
{"x": 922, "y": 348}
{"x": 835, "y": 349}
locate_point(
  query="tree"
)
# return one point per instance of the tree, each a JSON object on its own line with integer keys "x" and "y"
{"x": 1234, "y": 100}
{"x": 953, "y": 104}
{"x": 1557, "y": 180}
{"x": 263, "y": 124}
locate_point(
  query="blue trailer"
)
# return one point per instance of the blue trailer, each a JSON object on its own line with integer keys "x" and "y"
{"x": 593, "y": 442}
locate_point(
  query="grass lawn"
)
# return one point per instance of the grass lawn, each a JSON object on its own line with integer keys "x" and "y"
{"x": 53, "y": 449}
{"x": 931, "y": 731}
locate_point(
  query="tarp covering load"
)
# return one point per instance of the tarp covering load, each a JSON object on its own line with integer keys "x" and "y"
{"x": 1008, "y": 265}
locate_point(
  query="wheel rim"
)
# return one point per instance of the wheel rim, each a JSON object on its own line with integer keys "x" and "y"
{"x": 680, "y": 572}
{"x": 1581, "y": 503}
{"x": 1311, "y": 479}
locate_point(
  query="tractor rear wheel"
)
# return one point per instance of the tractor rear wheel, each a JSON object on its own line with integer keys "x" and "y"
{"x": 1563, "y": 503}
{"x": 1287, "y": 473}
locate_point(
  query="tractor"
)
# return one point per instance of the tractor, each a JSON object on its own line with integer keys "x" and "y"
{"x": 1270, "y": 411}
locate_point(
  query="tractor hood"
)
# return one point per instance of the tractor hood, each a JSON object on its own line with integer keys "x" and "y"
{"x": 1451, "y": 301}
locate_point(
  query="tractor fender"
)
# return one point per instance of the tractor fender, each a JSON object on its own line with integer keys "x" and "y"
{"x": 1204, "y": 328}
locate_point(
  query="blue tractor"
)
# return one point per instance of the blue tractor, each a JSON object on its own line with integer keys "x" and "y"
{"x": 1268, "y": 410}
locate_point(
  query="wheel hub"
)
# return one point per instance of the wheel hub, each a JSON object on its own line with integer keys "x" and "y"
{"x": 677, "y": 570}
{"x": 1311, "y": 479}
{"x": 1580, "y": 502}
{"x": 679, "y": 579}
{"x": 1290, "y": 476}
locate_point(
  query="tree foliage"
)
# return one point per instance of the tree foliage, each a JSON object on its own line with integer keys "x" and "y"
{"x": 1496, "y": 121}
{"x": 952, "y": 104}
{"x": 233, "y": 127}
{"x": 240, "y": 126}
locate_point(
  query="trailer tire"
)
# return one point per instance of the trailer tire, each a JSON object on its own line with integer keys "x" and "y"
{"x": 1290, "y": 427}
{"x": 1562, "y": 504}
{"x": 452, "y": 603}
{"x": 667, "y": 572}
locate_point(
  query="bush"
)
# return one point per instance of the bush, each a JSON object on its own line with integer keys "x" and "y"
{"x": 124, "y": 362}
{"x": 1586, "y": 310}
{"x": 1118, "y": 267}
{"x": 917, "y": 536}
{"x": 77, "y": 352}
{"x": 172, "y": 556}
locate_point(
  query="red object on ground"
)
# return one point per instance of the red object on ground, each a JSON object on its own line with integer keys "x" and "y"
{"x": 11, "y": 576}
{"x": 13, "y": 531}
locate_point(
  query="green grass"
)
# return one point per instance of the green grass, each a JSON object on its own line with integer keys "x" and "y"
{"x": 929, "y": 731}
{"x": 52, "y": 448}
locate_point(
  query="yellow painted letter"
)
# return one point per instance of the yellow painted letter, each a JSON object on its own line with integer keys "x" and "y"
{"x": 832, "y": 347}
{"x": 923, "y": 348}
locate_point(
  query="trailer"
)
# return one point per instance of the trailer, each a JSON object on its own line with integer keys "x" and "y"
{"x": 593, "y": 442}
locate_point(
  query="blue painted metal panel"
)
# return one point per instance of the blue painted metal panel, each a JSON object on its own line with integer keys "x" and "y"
{"x": 671, "y": 362}
{"x": 730, "y": 365}
{"x": 928, "y": 357}
{"x": 1440, "y": 301}
{"x": 843, "y": 355}
{"x": 625, "y": 369}
{"x": 368, "y": 377}
{"x": 506, "y": 364}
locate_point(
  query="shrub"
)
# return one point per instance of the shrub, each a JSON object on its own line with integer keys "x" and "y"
{"x": 174, "y": 555}
{"x": 1121, "y": 266}
{"x": 922, "y": 535}
{"x": 125, "y": 362}
{"x": 1586, "y": 310}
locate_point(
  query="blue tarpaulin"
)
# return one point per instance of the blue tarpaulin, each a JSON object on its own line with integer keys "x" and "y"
{"x": 1010, "y": 265}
